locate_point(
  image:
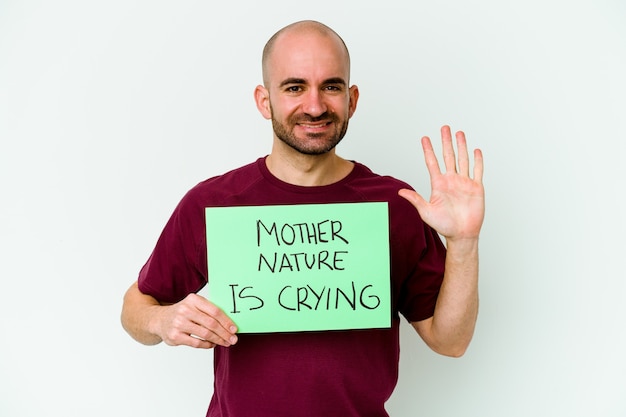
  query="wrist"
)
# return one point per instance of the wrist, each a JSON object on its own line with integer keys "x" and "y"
{"x": 153, "y": 325}
{"x": 462, "y": 246}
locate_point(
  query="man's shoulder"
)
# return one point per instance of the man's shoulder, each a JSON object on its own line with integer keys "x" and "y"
{"x": 368, "y": 178}
{"x": 238, "y": 176}
{"x": 217, "y": 189}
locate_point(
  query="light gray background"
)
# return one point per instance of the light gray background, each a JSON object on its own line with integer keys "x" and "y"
{"x": 110, "y": 111}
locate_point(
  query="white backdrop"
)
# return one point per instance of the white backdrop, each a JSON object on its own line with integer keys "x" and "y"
{"x": 110, "y": 111}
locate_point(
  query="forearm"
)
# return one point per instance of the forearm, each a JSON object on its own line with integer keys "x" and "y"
{"x": 451, "y": 328}
{"x": 137, "y": 312}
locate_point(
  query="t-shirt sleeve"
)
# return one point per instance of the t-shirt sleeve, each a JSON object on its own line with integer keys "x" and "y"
{"x": 177, "y": 265}
{"x": 419, "y": 264}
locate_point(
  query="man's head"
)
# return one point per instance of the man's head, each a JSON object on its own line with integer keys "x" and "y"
{"x": 302, "y": 27}
{"x": 306, "y": 92}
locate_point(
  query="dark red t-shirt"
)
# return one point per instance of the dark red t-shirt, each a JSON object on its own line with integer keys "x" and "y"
{"x": 335, "y": 373}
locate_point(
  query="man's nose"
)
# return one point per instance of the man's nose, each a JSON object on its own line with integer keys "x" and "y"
{"x": 314, "y": 104}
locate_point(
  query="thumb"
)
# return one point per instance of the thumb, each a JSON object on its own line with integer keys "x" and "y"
{"x": 414, "y": 198}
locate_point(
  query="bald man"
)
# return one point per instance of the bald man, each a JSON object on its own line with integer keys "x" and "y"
{"x": 306, "y": 93}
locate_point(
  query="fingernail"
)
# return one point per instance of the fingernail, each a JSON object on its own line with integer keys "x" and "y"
{"x": 233, "y": 340}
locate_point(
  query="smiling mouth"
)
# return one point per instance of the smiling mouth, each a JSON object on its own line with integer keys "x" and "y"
{"x": 314, "y": 125}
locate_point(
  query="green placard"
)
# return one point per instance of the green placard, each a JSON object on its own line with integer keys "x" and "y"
{"x": 300, "y": 267}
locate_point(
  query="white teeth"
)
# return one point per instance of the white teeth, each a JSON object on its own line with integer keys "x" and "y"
{"x": 313, "y": 126}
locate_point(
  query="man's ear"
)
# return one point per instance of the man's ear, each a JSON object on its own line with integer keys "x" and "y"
{"x": 262, "y": 100}
{"x": 354, "y": 98}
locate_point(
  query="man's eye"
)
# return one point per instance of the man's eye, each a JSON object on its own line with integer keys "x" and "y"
{"x": 294, "y": 89}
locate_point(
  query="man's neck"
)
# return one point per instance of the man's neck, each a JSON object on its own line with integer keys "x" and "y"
{"x": 296, "y": 168}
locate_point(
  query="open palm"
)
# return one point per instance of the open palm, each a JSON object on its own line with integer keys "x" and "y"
{"x": 457, "y": 202}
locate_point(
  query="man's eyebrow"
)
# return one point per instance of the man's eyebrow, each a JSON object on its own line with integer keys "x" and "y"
{"x": 294, "y": 80}
{"x": 289, "y": 81}
{"x": 336, "y": 80}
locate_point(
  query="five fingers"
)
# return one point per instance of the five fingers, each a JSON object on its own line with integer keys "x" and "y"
{"x": 449, "y": 156}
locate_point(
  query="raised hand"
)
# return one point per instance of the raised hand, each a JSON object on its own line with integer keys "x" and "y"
{"x": 457, "y": 201}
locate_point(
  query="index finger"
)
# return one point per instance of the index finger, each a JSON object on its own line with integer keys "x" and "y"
{"x": 429, "y": 156}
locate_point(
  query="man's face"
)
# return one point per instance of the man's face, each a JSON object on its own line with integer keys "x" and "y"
{"x": 310, "y": 101}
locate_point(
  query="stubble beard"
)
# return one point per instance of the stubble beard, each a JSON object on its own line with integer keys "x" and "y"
{"x": 314, "y": 143}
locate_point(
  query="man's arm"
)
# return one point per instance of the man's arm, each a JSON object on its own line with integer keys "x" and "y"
{"x": 451, "y": 328}
{"x": 456, "y": 210}
{"x": 194, "y": 321}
